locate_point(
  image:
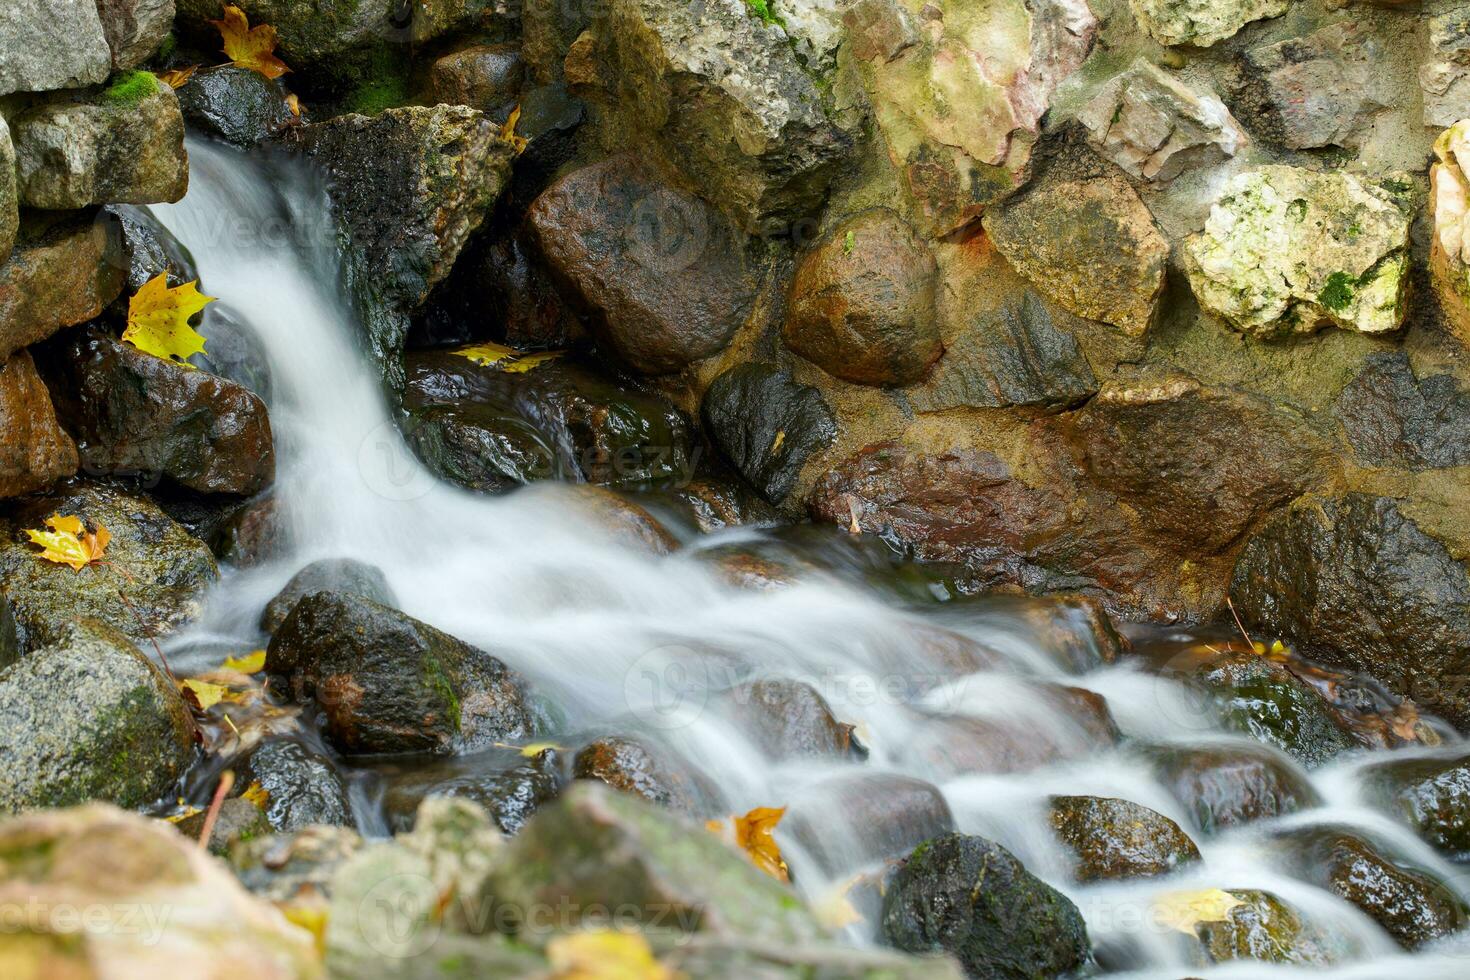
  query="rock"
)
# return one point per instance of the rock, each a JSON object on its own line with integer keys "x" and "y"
{"x": 51, "y": 44}
{"x": 149, "y": 249}
{"x": 1445, "y": 78}
{"x": 1017, "y": 356}
{"x": 34, "y": 450}
{"x": 1431, "y": 796}
{"x": 815, "y": 30}
{"x": 510, "y": 795}
{"x": 9, "y": 194}
{"x": 630, "y": 765}
{"x": 329, "y": 37}
{"x": 389, "y": 683}
{"x": 789, "y": 719}
{"x": 1286, "y": 250}
{"x": 119, "y": 732}
{"x": 234, "y": 351}
{"x": 480, "y": 446}
{"x": 1114, "y": 839}
{"x": 1224, "y": 786}
{"x": 154, "y": 561}
{"x": 411, "y": 185}
{"x": 302, "y": 786}
{"x": 252, "y": 534}
{"x": 435, "y": 18}
{"x": 1264, "y": 928}
{"x": 1200, "y": 23}
{"x": 282, "y": 867}
{"x": 1322, "y": 89}
{"x": 663, "y": 276}
{"x": 1269, "y": 703}
{"x": 721, "y": 98}
{"x": 123, "y": 145}
{"x": 133, "y": 875}
{"x": 711, "y": 503}
{"x": 626, "y": 522}
{"x": 738, "y": 960}
{"x": 1393, "y": 418}
{"x": 1090, "y": 245}
{"x": 1449, "y": 255}
{"x": 481, "y": 76}
{"x": 237, "y": 819}
{"x": 237, "y": 105}
{"x": 1156, "y": 127}
{"x": 1406, "y": 901}
{"x": 1354, "y": 581}
{"x": 328, "y": 575}
{"x": 888, "y": 815}
{"x": 971, "y": 897}
{"x": 64, "y": 270}
{"x": 767, "y": 425}
{"x": 862, "y": 302}
{"x": 135, "y": 29}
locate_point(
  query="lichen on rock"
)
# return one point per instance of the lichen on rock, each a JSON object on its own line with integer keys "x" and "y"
{"x": 1201, "y": 22}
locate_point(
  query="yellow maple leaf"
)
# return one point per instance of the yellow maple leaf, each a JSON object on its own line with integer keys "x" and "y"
{"x": 605, "y": 955}
{"x": 508, "y": 132}
{"x": 158, "y": 319}
{"x": 526, "y": 362}
{"x": 752, "y": 834}
{"x": 70, "y": 543}
{"x": 257, "y": 794}
{"x": 204, "y": 694}
{"x": 1186, "y": 910}
{"x": 531, "y": 749}
{"x": 178, "y": 77}
{"x": 251, "y": 663}
{"x": 249, "y": 47}
{"x": 488, "y": 353}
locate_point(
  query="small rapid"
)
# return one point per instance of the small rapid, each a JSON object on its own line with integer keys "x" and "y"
{"x": 617, "y": 640}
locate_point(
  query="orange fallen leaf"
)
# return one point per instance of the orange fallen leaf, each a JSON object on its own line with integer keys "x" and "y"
{"x": 70, "y": 543}
{"x": 178, "y": 77}
{"x": 249, "y": 47}
{"x": 752, "y": 834}
{"x": 158, "y": 319}
{"x": 294, "y": 104}
{"x": 508, "y": 132}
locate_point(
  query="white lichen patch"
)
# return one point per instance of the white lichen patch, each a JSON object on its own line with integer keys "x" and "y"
{"x": 1201, "y": 22}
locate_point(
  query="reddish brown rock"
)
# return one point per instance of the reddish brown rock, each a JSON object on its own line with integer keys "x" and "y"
{"x": 65, "y": 269}
{"x": 34, "y": 451}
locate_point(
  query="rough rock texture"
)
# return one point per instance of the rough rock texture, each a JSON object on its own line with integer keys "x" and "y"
{"x": 1449, "y": 197}
{"x": 120, "y": 734}
{"x": 65, "y": 269}
{"x": 663, "y": 276}
{"x": 123, "y": 145}
{"x": 51, "y": 44}
{"x": 133, "y": 413}
{"x": 1322, "y": 89}
{"x": 862, "y": 303}
{"x": 1393, "y": 418}
{"x": 1201, "y": 22}
{"x": 1355, "y": 581}
{"x": 238, "y": 105}
{"x": 1091, "y": 245}
{"x": 1445, "y": 77}
{"x": 303, "y": 787}
{"x": 1156, "y": 127}
{"x": 1262, "y": 927}
{"x": 511, "y": 793}
{"x": 328, "y": 575}
{"x": 135, "y": 28}
{"x": 481, "y": 76}
{"x": 149, "y": 249}
{"x": 631, "y": 765}
{"x": 1224, "y": 786}
{"x": 389, "y": 683}
{"x": 9, "y": 194}
{"x": 325, "y": 35}
{"x": 1271, "y": 704}
{"x": 1431, "y": 796}
{"x": 34, "y": 450}
{"x": 1114, "y": 839}
{"x": 1286, "y": 250}
{"x": 767, "y": 425}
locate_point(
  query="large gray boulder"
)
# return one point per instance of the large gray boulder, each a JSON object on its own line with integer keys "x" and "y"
{"x": 51, "y": 44}
{"x": 135, "y": 28}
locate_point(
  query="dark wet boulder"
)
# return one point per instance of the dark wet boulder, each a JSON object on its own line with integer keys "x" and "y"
{"x": 662, "y": 276}
{"x": 862, "y": 303}
{"x": 159, "y": 566}
{"x": 1431, "y": 796}
{"x": 90, "y": 718}
{"x": 328, "y": 575}
{"x": 237, "y": 105}
{"x": 1075, "y": 629}
{"x": 1394, "y": 418}
{"x": 510, "y": 791}
{"x": 233, "y": 351}
{"x": 325, "y": 38}
{"x": 767, "y": 425}
{"x": 633, "y": 765}
{"x": 1224, "y": 786}
{"x": 788, "y": 719}
{"x": 35, "y": 451}
{"x": 136, "y": 414}
{"x": 389, "y": 683}
{"x": 302, "y": 786}
{"x": 886, "y": 816}
{"x": 149, "y": 249}
{"x": 482, "y": 76}
{"x": 1269, "y": 703}
{"x": 710, "y": 503}
{"x": 1260, "y": 926}
{"x": 251, "y": 533}
{"x": 65, "y": 269}
{"x": 970, "y": 897}
{"x": 1114, "y": 839}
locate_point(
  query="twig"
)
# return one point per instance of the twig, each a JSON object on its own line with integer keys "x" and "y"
{"x": 1239, "y": 625}
{"x": 226, "y": 782}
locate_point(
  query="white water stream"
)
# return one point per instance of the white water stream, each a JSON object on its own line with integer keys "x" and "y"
{"x": 609, "y": 634}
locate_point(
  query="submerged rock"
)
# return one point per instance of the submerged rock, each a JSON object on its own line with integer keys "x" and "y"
{"x": 1114, "y": 839}
{"x": 767, "y": 425}
{"x": 1431, "y": 796}
{"x": 1261, "y": 927}
{"x": 1267, "y": 702}
{"x": 1201, "y": 23}
{"x": 238, "y": 105}
{"x": 35, "y": 451}
{"x": 302, "y": 786}
{"x": 789, "y": 719}
{"x": 887, "y": 814}
{"x": 631, "y": 765}
{"x": 1224, "y": 786}
{"x": 64, "y": 270}
{"x": 511, "y": 795}
{"x": 328, "y": 575}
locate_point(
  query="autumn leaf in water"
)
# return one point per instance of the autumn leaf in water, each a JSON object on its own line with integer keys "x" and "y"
{"x": 752, "y": 834}
{"x": 508, "y": 132}
{"x": 257, "y": 794}
{"x": 178, "y": 77}
{"x": 1184, "y": 911}
{"x": 203, "y": 694}
{"x": 251, "y": 663}
{"x": 158, "y": 319}
{"x": 605, "y": 955}
{"x": 249, "y": 47}
{"x": 70, "y": 543}
{"x": 507, "y": 358}
{"x": 526, "y": 362}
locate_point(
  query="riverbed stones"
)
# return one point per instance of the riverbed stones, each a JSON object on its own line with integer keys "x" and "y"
{"x": 327, "y": 575}
{"x": 238, "y": 105}
{"x": 1444, "y": 78}
{"x": 632, "y": 765}
{"x": 862, "y": 302}
{"x": 51, "y": 44}
{"x": 65, "y": 269}
{"x": 1272, "y": 705}
{"x": 389, "y": 683}
{"x": 1091, "y": 245}
{"x": 788, "y": 719}
{"x": 35, "y": 451}
{"x": 1224, "y": 786}
{"x": 122, "y": 145}
{"x": 326, "y": 36}
{"x": 1322, "y": 89}
{"x": 1113, "y": 839}
{"x": 511, "y": 794}
{"x": 1286, "y": 250}
{"x": 1156, "y": 127}
{"x": 1201, "y": 23}
{"x": 970, "y": 897}
{"x": 302, "y": 787}
{"x": 767, "y": 425}
{"x": 1259, "y": 926}
{"x": 1431, "y": 796}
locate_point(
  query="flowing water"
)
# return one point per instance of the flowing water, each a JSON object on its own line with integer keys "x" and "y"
{"x": 622, "y": 641}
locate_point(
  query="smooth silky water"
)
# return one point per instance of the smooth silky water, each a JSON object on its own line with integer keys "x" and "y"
{"x": 622, "y": 641}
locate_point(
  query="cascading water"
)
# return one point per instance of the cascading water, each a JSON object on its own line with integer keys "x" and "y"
{"x": 621, "y": 641}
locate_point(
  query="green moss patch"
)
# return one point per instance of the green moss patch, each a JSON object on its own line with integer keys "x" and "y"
{"x": 130, "y": 88}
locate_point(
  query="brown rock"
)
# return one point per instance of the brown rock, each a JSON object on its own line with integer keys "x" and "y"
{"x": 65, "y": 269}
{"x": 34, "y": 451}
{"x": 630, "y": 766}
{"x": 481, "y": 76}
{"x": 788, "y": 719}
{"x": 1117, "y": 839}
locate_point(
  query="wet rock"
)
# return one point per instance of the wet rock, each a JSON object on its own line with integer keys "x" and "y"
{"x": 737, "y": 960}
{"x": 64, "y": 270}
{"x": 233, "y": 351}
{"x": 862, "y": 302}
{"x": 328, "y": 575}
{"x": 237, "y": 819}
{"x": 1286, "y": 250}
{"x": 1055, "y": 723}
{"x": 481, "y": 76}
{"x": 1270, "y": 704}
{"x": 1449, "y": 256}
{"x": 281, "y": 867}
{"x": 162, "y": 569}
{"x": 631, "y": 765}
{"x": 433, "y": 19}
{"x": 302, "y": 786}
{"x": 1393, "y": 418}
{"x": 1201, "y": 23}
{"x": 123, "y": 145}
{"x": 119, "y": 732}
{"x": 1090, "y": 245}
{"x": 958, "y": 96}
{"x": 389, "y": 683}
{"x": 135, "y": 29}
{"x": 510, "y": 795}
{"x": 767, "y": 425}
{"x": 1224, "y": 786}
{"x": 1261, "y": 927}
{"x": 9, "y": 194}
{"x": 713, "y": 503}
{"x": 329, "y": 37}
{"x": 626, "y": 521}
{"x": 723, "y": 98}
{"x": 1445, "y": 78}
{"x": 1114, "y": 839}
{"x": 888, "y": 815}
{"x": 252, "y": 533}
{"x": 34, "y": 450}
{"x": 1156, "y": 127}
{"x": 1322, "y": 89}
{"x": 481, "y": 447}
{"x": 132, "y": 413}
{"x": 52, "y": 44}
{"x": 971, "y": 897}
{"x": 134, "y": 875}
{"x": 1431, "y": 796}
{"x": 411, "y": 185}
{"x": 1405, "y": 900}
{"x": 1356, "y": 582}
{"x": 237, "y": 105}
{"x": 1078, "y": 632}
{"x": 663, "y": 276}
{"x": 789, "y": 719}
{"x": 149, "y": 249}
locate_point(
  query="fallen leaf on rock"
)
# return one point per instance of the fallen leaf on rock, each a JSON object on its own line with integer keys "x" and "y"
{"x": 202, "y": 694}
{"x": 70, "y": 543}
{"x": 249, "y": 47}
{"x": 508, "y": 132}
{"x": 605, "y": 955}
{"x": 178, "y": 77}
{"x": 1184, "y": 911}
{"x": 508, "y": 358}
{"x": 158, "y": 319}
{"x": 251, "y": 663}
{"x": 752, "y": 834}
{"x": 184, "y": 812}
{"x": 257, "y": 794}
